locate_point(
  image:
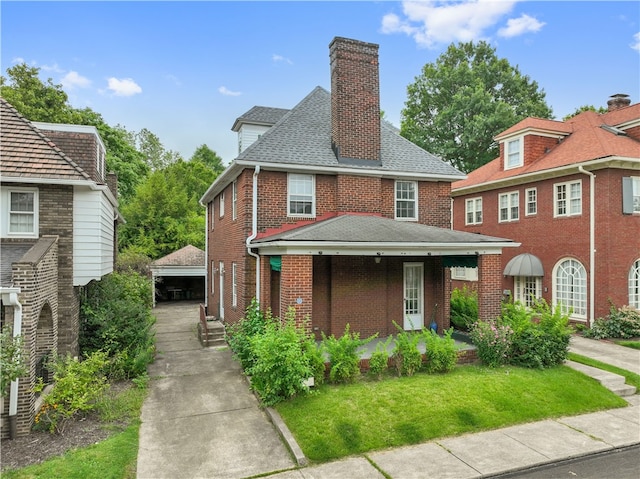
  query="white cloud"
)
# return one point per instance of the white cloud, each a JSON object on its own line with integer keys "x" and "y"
{"x": 520, "y": 26}
{"x": 225, "y": 91}
{"x": 52, "y": 68}
{"x": 72, "y": 80}
{"x": 441, "y": 21}
{"x": 18, "y": 60}
{"x": 124, "y": 87}
{"x": 173, "y": 79}
{"x": 636, "y": 42}
{"x": 280, "y": 58}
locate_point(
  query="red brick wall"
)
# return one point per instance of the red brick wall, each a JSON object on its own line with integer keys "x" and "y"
{"x": 297, "y": 285}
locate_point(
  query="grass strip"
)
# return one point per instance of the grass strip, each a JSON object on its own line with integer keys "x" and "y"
{"x": 631, "y": 378}
{"x": 340, "y": 420}
{"x": 628, "y": 344}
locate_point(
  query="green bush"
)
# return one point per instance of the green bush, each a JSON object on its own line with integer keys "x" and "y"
{"x": 493, "y": 342}
{"x": 344, "y": 357}
{"x": 240, "y": 334}
{"x": 115, "y": 317}
{"x": 621, "y": 323}
{"x": 77, "y": 387}
{"x": 464, "y": 308}
{"x": 379, "y": 360}
{"x": 281, "y": 365}
{"x": 12, "y": 364}
{"x": 406, "y": 355}
{"x": 441, "y": 354}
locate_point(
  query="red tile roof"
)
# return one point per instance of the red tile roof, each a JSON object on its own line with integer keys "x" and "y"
{"x": 585, "y": 140}
{"x": 27, "y": 153}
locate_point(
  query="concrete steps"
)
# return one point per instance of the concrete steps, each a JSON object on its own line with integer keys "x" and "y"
{"x": 614, "y": 382}
{"x": 214, "y": 336}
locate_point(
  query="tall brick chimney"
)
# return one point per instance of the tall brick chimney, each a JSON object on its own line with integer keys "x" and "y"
{"x": 617, "y": 101}
{"x": 355, "y": 101}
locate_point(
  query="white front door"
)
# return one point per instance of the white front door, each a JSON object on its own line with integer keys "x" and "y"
{"x": 221, "y": 289}
{"x": 413, "y": 296}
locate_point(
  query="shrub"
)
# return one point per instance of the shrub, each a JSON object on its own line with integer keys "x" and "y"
{"x": 12, "y": 364}
{"x": 620, "y": 323}
{"x": 379, "y": 360}
{"x": 240, "y": 334}
{"x": 406, "y": 355}
{"x": 344, "y": 357}
{"x": 115, "y": 317}
{"x": 464, "y": 308}
{"x": 441, "y": 355}
{"x": 493, "y": 342}
{"x": 280, "y": 363}
{"x": 77, "y": 387}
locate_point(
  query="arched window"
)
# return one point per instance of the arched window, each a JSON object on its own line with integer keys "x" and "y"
{"x": 570, "y": 287}
{"x": 634, "y": 285}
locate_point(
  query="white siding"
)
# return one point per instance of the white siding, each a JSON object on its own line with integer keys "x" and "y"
{"x": 248, "y": 134}
{"x": 93, "y": 236}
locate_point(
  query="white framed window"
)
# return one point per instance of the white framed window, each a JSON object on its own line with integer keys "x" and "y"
{"x": 473, "y": 211}
{"x": 513, "y": 152}
{"x": 630, "y": 195}
{"x": 635, "y": 182}
{"x": 406, "y": 200}
{"x": 464, "y": 274}
{"x": 567, "y": 200}
{"x": 634, "y": 285}
{"x": 212, "y": 214}
{"x": 234, "y": 200}
{"x": 21, "y": 212}
{"x": 301, "y": 195}
{"x": 221, "y": 206}
{"x": 570, "y": 287}
{"x": 527, "y": 289}
{"x": 234, "y": 285}
{"x": 213, "y": 275}
{"x": 509, "y": 206}
{"x": 531, "y": 195}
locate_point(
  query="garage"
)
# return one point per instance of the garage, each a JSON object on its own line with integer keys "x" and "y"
{"x": 179, "y": 276}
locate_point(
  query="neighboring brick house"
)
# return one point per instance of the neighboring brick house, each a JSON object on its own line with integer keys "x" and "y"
{"x": 341, "y": 217}
{"x": 57, "y": 233}
{"x": 569, "y": 192}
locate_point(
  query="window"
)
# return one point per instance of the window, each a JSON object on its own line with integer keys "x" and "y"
{"x": 234, "y": 286}
{"x": 212, "y": 214}
{"x": 465, "y": 274}
{"x": 634, "y": 285}
{"x": 568, "y": 199}
{"x": 23, "y": 212}
{"x": 570, "y": 288}
{"x": 221, "y": 207}
{"x": 213, "y": 275}
{"x": 473, "y": 211}
{"x": 532, "y": 201}
{"x": 509, "y": 206}
{"x": 301, "y": 195}
{"x": 234, "y": 200}
{"x": 630, "y": 195}
{"x": 406, "y": 200}
{"x": 513, "y": 153}
{"x": 527, "y": 289}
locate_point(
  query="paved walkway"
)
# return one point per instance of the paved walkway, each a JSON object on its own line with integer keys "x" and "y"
{"x": 201, "y": 421}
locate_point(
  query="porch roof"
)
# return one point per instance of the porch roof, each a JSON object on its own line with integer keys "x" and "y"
{"x": 355, "y": 234}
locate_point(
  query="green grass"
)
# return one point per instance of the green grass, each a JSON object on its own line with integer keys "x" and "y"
{"x": 628, "y": 344}
{"x": 631, "y": 378}
{"x": 337, "y": 421}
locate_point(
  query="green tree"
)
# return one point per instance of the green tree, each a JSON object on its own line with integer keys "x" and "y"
{"x": 579, "y": 110}
{"x": 155, "y": 154}
{"x": 459, "y": 103}
{"x": 208, "y": 157}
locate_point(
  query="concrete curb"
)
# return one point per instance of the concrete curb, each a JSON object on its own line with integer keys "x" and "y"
{"x": 287, "y": 437}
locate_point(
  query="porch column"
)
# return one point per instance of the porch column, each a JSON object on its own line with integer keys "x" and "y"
{"x": 489, "y": 286}
{"x": 296, "y": 283}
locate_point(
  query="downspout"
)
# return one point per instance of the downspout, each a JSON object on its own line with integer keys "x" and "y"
{"x": 254, "y": 230}
{"x": 592, "y": 243}
{"x": 13, "y": 394}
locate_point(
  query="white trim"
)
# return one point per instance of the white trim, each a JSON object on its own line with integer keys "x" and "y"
{"x": 510, "y": 206}
{"x": 474, "y": 211}
{"x": 567, "y": 199}
{"x": 234, "y": 200}
{"x": 301, "y": 177}
{"x": 527, "y": 202}
{"x": 234, "y": 285}
{"x": 396, "y": 199}
{"x": 508, "y": 153}
{"x": 554, "y": 287}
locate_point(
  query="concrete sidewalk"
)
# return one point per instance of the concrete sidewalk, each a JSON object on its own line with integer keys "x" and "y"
{"x": 201, "y": 421}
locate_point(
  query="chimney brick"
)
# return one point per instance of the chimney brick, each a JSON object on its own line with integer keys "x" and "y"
{"x": 617, "y": 101}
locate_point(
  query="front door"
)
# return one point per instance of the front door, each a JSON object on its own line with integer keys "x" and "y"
{"x": 221, "y": 289}
{"x": 413, "y": 296}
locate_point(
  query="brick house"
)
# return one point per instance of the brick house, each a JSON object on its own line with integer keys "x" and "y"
{"x": 569, "y": 192}
{"x": 328, "y": 209}
{"x": 58, "y": 215}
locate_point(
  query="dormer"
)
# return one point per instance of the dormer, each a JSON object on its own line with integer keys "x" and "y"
{"x": 254, "y": 123}
{"x": 529, "y": 140}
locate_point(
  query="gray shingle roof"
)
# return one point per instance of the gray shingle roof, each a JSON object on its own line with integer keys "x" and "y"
{"x": 11, "y": 253}
{"x": 187, "y": 256}
{"x": 303, "y": 137}
{"x": 260, "y": 115}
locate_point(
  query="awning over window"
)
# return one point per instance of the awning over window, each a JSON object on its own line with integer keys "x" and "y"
{"x": 275, "y": 262}
{"x": 460, "y": 261}
{"x": 524, "y": 264}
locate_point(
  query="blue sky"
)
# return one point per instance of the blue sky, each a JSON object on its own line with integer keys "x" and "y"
{"x": 187, "y": 70}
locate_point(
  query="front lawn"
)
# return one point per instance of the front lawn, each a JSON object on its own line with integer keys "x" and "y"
{"x": 338, "y": 421}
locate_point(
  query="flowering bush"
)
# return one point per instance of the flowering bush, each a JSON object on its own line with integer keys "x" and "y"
{"x": 620, "y": 323}
{"x": 493, "y": 342}
{"x": 12, "y": 364}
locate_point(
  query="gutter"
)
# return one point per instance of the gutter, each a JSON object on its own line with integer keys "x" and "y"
{"x": 254, "y": 230}
{"x": 17, "y": 331}
{"x": 592, "y": 241}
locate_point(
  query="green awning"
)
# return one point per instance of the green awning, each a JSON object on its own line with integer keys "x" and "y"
{"x": 460, "y": 261}
{"x": 275, "y": 262}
